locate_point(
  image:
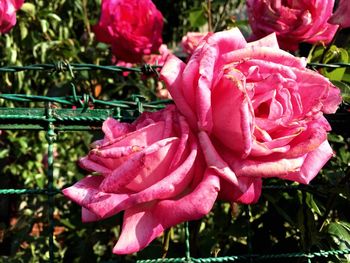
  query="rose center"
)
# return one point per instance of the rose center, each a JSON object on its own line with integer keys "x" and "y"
{"x": 263, "y": 110}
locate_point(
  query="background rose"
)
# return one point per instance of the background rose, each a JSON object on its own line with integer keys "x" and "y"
{"x": 293, "y": 21}
{"x": 8, "y": 10}
{"x": 341, "y": 15}
{"x": 191, "y": 40}
{"x": 257, "y": 110}
{"x": 158, "y": 59}
{"x": 152, "y": 170}
{"x": 132, "y": 27}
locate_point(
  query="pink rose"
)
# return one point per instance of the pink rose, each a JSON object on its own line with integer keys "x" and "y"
{"x": 8, "y": 10}
{"x": 341, "y": 16}
{"x": 132, "y": 27}
{"x": 293, "y": 21}
{"x": 153, "y": 170}
{"x": 121, "y": 63}
{"x": 257, "y": 111}
{"x": 191, "y": 41}
{"x": 157, "y": 59}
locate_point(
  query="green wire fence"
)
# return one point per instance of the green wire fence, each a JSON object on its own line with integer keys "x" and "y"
{"x": 84, "y": 113}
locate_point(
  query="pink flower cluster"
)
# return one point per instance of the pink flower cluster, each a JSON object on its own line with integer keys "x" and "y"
{"x": 243, "y": 112}
{"x": 8, "y": 10}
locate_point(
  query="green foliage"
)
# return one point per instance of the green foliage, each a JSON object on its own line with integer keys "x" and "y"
{"x": 340, "y": 76}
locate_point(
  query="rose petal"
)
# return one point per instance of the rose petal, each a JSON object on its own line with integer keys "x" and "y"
{"x": 214, "y": 160}
{"x": 331, "y": 103}
{"x": 313, "y": 163}
{"x": 263, "y": 53}
{"x": 268, "y": 41}
{"x": 92, "y": 166}
{"x": 230, "y": 99}
{"x": 97, "y": 204}
{"x": 341, "y": 14}
{"x": 114, "y": 129}
{"x": 145, "y": 222}
{"x": 142, "y": 169}
{"x": 267, "y": 168}
{"x": 87, "y": 216}
{"x": 248, "y": 191}
{"x": 171, "y": 73}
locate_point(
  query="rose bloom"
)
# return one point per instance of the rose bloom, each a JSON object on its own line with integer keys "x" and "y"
{"x": 121, "y": 63}
{"x": 257, "y": 111}
{"x": 191, "y": 41}
{"x": 157, "y": 59}
{"x": 153, "y": 170}
{"x": 8, "y": 10}
{"x": 293, "y": 21}
{"x": 161, "y": 91}
{"x": 341, "y": 16}
{"x": 132, "y": 27}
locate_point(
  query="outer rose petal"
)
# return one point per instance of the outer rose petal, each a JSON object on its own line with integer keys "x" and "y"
{"x": 313, "y": 163}
{"x": 213, "y": 46}
{"x": 229, "y": 98}
{"x": 267, "y": 168}
{"x": 330, "y": 105}
{"x": 145, "y": 222}
{"x": 143, "y": 168}
{"x": 300, "y": 169}
{"x": 18, "y": 3}
{"x": 96, "y": 204}
{"x": 113, "y": 128}
{"x": 248, "y": 191}
{"x": 214, "y": 160}
{"x": 87, "y": 216}
{"x": 228, "y": 40}
{"x": 341, "y": 15}
{"x": 171, "y": 73}
{"x": 268, "y": 41}
{"x": 191, "y": 41}
{"x": 264, "y": 53}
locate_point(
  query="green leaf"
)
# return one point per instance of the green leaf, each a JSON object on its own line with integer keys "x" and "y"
{"x": 23, "y": 29}
{"x": 335, "y": 54}
{"x": 67, "y": 223}
{"x": 338, "y": 230}
{"x": 335, "y": 138}
{"x": 344, "y": 155}
{"x": 55, "y": 17}
{"x": 4, "y": 153}
{"x": 29, "y": 8}
{"x": 197, "y": 18}
{"x": 44, "y": 25}
{"x": 345, "y": 89}
{"x": 346, "y": 225}
{"x": 312, "y": 204}
{"x": 316, "y": 54}
{"x": 346, "y": 76}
